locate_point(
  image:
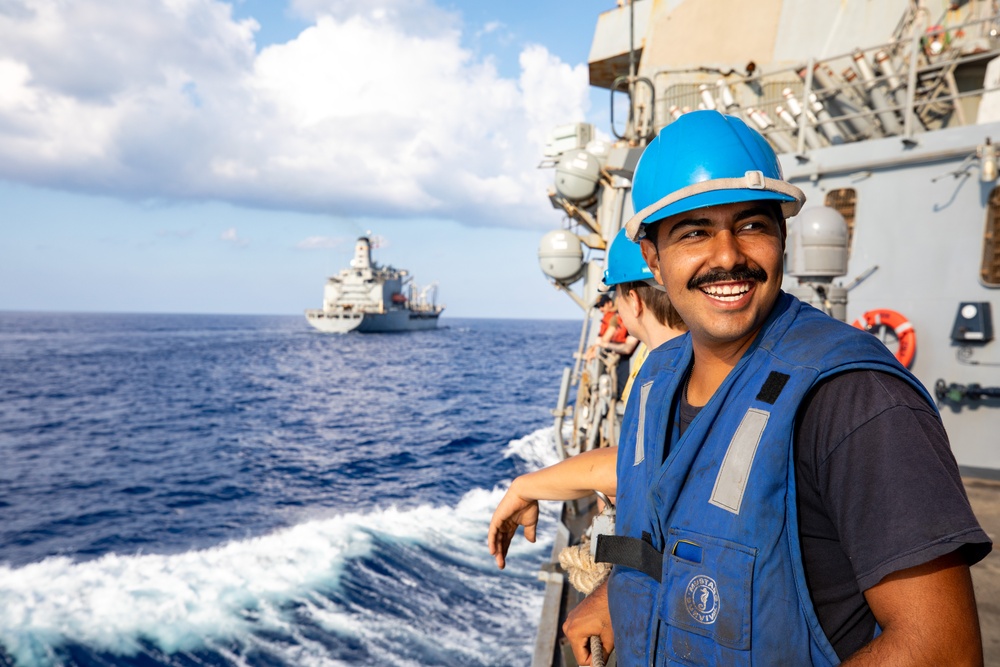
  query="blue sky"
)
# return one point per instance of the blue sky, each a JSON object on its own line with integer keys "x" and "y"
{"x": 221, "y": 157}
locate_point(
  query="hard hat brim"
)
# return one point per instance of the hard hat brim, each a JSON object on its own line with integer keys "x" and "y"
{"x": 716, "y": 198}
{"x": 788, "y": 196}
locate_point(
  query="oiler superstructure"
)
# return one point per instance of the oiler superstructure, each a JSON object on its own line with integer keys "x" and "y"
{"x": 886, "y": 114}
{"x": 370, "y": 298}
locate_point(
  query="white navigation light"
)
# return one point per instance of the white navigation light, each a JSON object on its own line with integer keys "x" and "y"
{"x": 560, "y": 254}
{"x": 577, "y": 174}
{"x": 987, "y": 161}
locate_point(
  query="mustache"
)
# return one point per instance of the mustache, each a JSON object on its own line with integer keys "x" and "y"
{"x": 739, "y": 274}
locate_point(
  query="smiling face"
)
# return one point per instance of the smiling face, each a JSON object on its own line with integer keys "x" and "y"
{"x": 722, "y": 268}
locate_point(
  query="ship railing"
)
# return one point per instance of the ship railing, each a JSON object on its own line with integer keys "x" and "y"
{"x": 931, "y": 79}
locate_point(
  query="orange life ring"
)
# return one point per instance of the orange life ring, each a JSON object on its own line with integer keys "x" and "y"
{"x": 901, "y": 326}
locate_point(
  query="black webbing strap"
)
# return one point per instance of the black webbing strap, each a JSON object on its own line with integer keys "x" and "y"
{"x": 630, "y": 552}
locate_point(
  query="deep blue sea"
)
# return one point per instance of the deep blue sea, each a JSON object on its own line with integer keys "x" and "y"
{"x": 243, "y": 490}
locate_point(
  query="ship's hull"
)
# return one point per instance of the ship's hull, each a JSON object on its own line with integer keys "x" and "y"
{"x": 390, "y": 322}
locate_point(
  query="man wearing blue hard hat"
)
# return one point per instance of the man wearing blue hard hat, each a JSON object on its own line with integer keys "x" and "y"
{"x": 786, "y": 491}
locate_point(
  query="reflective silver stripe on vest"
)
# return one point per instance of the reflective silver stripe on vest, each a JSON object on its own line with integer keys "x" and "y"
{"x": 735, "y": 470}
{"x": 640, "y": 439}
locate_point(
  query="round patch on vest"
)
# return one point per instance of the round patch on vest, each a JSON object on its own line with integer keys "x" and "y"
{"x": 702, "y": 599}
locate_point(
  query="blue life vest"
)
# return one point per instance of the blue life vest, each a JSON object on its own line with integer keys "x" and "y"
{"x": 714, "y": 571}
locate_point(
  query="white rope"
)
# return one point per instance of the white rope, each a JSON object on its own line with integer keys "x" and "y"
{"x": 582, "y": 571}
{"x": 596, "y": 652}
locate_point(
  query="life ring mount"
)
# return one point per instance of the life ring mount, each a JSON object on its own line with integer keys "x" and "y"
{"x": 906, "y": 336}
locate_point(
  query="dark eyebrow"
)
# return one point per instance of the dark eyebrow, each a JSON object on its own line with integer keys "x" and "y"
{"x": 700, "y": 223}
{"x": 684, "y": 223}
{"x": 754, "y": 211}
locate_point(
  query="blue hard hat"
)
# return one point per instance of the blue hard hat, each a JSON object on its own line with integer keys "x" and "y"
{"x": 625, "y": 263}
{"x": 705, "y": 158}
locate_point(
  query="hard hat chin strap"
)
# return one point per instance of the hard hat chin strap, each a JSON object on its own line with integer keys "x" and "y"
{"x": 752, "y": 180}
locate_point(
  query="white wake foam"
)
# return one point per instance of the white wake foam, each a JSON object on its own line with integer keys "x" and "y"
{"x": 202, "y": 599}
{"x": 537, "y": 449}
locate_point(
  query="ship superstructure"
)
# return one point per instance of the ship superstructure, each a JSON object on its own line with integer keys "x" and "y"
{"x": 370, "y": 298}
{"x": 886, "y": 114}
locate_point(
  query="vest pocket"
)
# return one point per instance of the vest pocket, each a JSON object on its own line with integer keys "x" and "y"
{"x": 706, "y": 599}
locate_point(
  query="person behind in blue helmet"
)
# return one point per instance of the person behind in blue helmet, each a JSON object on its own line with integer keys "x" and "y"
{"x": 648, "y": 314}
{"x": 641, "y": 303}
{"x": 786, "y": 490}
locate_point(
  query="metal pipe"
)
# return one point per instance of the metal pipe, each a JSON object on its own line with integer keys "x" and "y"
{"x": 826, "y": 124}
{"x": 560, "y": 411}
{"x": 581, "y": 345}
{"x": 807, "y": 135}
{"x": 630, "y": 132}
{"x": 805, "y": 100}
{"x": 953, "y": 89}
{"x": 725, "y": 94}
{"x": 840, "y": 102}
{"x": 909, "y": 117}
{"x": 878, "y": 96}
{"x": 885, "y": 63}
{"x": 850, "y": 76}
{"x": 784, "y": 115}
{"x": 706, "y": 96}
{"x": 761, "y": 119}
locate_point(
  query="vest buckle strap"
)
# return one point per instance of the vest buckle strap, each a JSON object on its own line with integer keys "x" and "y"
{"x": 630, "y": 552}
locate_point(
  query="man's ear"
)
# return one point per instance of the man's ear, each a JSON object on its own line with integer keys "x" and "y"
{"x": 637, "y": 305}
{"x": 652, "y": 257}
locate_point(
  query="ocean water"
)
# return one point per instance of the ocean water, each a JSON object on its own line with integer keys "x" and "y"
{"x": 240, "y": 490}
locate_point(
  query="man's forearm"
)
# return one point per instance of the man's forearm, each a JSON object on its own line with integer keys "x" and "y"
{"x": 575, "y": 477}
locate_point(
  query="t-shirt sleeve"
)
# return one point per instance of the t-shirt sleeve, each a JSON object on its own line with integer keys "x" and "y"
{"x": 886, "y": 475}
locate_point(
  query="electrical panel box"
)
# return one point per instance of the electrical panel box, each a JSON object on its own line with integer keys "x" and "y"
{"x": 973, "y": 323}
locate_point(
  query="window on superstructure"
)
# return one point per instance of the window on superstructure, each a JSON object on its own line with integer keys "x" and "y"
{"x": 990, "y": 272}
{"x": 844, "y": 201}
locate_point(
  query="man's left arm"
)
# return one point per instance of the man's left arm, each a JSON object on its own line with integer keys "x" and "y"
{"x": 928, "y": 616}
{"x": 896, "y": 510}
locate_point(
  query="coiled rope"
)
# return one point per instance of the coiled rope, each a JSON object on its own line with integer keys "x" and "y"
{"x": 583, "y": 572}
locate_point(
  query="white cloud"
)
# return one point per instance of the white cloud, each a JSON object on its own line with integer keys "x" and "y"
{"x": 489, "y": 27}
{"x": 230, "y": 236}
{"x": 374, "y": 110}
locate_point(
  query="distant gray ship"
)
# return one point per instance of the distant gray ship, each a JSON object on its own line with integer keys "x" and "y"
{"x": 374, "y": 299}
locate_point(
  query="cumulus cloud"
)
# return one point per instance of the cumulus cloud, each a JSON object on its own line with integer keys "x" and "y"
{"x": 373, "y": 110}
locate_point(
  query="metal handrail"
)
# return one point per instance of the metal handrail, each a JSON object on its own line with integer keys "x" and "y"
{"x": 874, "y": 98}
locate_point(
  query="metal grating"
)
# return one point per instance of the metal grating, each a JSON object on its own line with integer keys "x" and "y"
{"x": 990, "y": 272}
{"x": 765, "y": 97}
{"x": 845, "y": 202}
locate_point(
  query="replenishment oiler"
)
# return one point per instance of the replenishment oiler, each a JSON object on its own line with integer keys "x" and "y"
{"x": 887, "y": 115}
{"x": 369, "y": 298}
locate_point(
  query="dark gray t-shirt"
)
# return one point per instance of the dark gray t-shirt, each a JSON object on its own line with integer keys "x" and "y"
{"x": 878, "y": 491}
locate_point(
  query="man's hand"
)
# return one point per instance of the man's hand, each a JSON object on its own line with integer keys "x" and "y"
{"x": 591, "y": 617}
{"x": 513, "y": 511}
